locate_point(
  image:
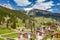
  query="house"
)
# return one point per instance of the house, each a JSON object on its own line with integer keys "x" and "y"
{"x": 39, "y": 35}
{"x": 56, "y": 35}
{"x": 52, "y": 28}
{"x": 58, "y": 25}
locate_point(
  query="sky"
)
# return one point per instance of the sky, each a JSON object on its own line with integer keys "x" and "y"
{"x": 49, "y": 5}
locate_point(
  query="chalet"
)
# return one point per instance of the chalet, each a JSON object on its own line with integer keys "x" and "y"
{"x": 52, "y": 28}
{"x": 58, "y": 25}
{"x": 56, "y": 35}
{"x": 39, "y": 35}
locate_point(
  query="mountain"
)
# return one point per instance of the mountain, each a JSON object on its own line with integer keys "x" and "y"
{"x": 12, "y": 18}
{"x": 34, "y": 12}
{"x": 5, "y": 11}
{"x": 44, "y": 13}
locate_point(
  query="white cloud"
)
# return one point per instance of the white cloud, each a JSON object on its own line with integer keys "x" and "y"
{"x": 7, "y": 6}
{"x": 40, "y": 4}
{"x": 0, "y": 4}
{"x": 58, "y": 3}
{"x": 50, "y": 10}
{"x": 43, "y": 6}
{"x": 22, "y": 2}
{"x": 40, "y": 1}
{"x": 27, "y": 9}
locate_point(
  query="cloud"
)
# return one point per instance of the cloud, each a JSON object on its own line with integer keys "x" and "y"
{"x": 0, "y": 4}
{"x": 55, "y": 10}
{"x": 22, "y": 2}
{"x": 43, "y": 5}
{"x": 40, "y": 1}
{"x": 58, "y": 3}
{"x": 50, "y": 10}
{"x": 27, "y": 9}
{"x": 40, "y": 4}
{"x": 7, "y": 6}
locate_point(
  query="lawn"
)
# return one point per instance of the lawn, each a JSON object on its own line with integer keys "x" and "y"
{"x": 2, "y": 31}
{"x": 57, "y": 38}
{"x": 1, "y": 39}
{"x": 33, "y": 37}
{"x": 47, "y": 36}
{"x": 58, "y": 31}
{"x": 14, "y": 35}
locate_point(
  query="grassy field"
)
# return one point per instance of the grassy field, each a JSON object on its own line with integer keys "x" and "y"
{"x": 58, "y": 31}
{"x": 42, "y": 21}
{"x": 47, "y": 36}
{"x": 2, "y": 31}
{"x": 20, "y": 23}
{"x": 1, "y": 39}
{"x": 13, "y": 35}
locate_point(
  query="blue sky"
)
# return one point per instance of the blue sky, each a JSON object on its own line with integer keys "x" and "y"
{"x": 50, "y": 5}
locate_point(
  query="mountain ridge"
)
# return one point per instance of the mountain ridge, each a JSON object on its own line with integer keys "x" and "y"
{"x": 44, "y": 13}
{"x": 21, "y": 14}
{"x": 36, "y": 12}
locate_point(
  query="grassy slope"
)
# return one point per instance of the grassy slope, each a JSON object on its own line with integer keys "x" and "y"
{"x": 43, "y": 20}
{"x": 14, "y": 35}
{"x": 1, "y": 39}
{"x": 13, "y": 13}
{"x": 17, "y": 13}
{"x": 3, "y": 31}
{"x": 4, "y": 12}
